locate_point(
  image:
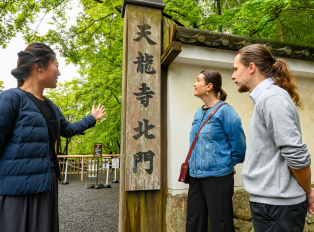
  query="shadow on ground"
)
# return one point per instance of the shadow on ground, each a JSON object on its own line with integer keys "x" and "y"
{"x": 91, "y": 210}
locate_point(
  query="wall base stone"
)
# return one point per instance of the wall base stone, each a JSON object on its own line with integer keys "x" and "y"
{"x": 177, "y": 206}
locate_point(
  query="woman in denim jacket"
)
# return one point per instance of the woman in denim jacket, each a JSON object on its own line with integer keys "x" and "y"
{"x": 220, "y": 146}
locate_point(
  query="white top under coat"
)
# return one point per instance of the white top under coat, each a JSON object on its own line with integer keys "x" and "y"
{"x": 260, "y": 87}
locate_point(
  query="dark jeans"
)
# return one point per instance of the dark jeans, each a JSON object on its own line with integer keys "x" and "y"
{"x": 210, "y": 197}
{"x": 278, "y": 218}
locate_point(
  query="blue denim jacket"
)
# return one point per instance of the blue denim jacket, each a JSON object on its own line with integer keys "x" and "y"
{"x": 220, "y": 144}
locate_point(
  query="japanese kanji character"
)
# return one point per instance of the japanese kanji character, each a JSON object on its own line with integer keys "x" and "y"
{"x": 145, "y": 131}
{"x": 144, "y": 33}
{"x": 148, "y": 156}
{"x": 146, "y": 61}
{"x": 144, "y": 95}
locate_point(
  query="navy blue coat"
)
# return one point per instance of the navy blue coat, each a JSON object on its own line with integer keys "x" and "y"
{"x": 24, "y": 143}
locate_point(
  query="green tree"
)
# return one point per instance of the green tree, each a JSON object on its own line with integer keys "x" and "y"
{"x": 277, "y": 20}
{"x": 20, "y": 15}
{"x": 94, "y": 43}
{"x": 63, "y": 97}
{"x": 96, "y": 47}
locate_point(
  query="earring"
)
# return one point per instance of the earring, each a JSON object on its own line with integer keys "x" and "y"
{"x": 39, "y": 70}
{"x": 206, "y": 93}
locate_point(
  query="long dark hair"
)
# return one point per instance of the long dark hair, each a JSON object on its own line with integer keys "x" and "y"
{"x": 35, "y": 53}
{"x": 270, "y": 67}
{"x": 214, "y": 77}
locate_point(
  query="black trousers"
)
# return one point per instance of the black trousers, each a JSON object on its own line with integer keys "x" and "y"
{"x": 31, "y": 213}
{"x": 210, "y": 197}
{"x": 278, "y": 218}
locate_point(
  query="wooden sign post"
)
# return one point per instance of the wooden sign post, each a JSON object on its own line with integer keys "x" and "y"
{"x": 98, "y": 154}
{"x": 140, "y": 176}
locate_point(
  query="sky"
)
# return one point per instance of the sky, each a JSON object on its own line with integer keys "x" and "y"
{"x": 8, "y": 56}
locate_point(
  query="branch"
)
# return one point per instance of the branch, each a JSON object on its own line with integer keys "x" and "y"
{"x": 41, "y": 21}
{"x": 170, "y": 17}
{"x": 115, "y": 97}
{"x": 82, "y": 31}
{"x": 119, "y": 10}
{"x": 179, "y": 13}
{"x": 113, "y": 62}
{"x": 95, "y": 31}
{"x": 237, "y": 2}
{"x": 253, "y": 32}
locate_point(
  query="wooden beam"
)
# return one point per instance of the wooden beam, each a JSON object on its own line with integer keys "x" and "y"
{"x": 170, "y": 53}
{"x": 85, "y": 156}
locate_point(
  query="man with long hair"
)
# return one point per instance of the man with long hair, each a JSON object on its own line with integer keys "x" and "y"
{"x": 276, "y": 171}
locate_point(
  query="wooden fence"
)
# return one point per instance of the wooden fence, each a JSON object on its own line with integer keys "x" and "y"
{"x": 79, "y": 164}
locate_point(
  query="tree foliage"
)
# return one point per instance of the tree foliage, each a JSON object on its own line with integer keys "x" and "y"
{"x": 94, "y": 44}
{"x": 265, "y": 19}
{"x": 20, "y": 15}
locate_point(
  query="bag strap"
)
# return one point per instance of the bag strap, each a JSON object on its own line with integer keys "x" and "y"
{"x": 43, "y": 112}
{"x": 193, "y": 144}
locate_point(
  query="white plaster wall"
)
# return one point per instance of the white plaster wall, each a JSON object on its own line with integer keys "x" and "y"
{"x": 182, "y": 104}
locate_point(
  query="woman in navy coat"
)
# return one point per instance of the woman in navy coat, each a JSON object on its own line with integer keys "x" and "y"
{"x": 28, "y": 162}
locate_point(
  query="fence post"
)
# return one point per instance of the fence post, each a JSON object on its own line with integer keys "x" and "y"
{"x": 82, "y": 169}
{"x": 115, "y": 169}
{"x": 63, "y": 167}
{"x": 107, "y": 185}
{"x": 66, "y": 174}
{"x": 97, "y": 185}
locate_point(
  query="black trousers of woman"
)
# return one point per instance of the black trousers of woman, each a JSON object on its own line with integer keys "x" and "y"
{"x": 31, "y": 213}
{"x": 210, "y": 197}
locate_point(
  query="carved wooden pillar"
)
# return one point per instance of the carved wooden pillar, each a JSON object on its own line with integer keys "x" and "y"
{"x": 141, "y": 181}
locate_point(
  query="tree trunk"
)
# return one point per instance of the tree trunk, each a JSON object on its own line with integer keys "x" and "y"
{"x": 219, "y": 12}
{"x": 279, "y": 32}
{"x": 219, "y": 6}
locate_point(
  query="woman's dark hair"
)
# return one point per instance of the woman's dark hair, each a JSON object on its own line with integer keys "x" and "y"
{"x": 35, "y": 53}
{"x": 269, "y": 66}
{"x": 214, "y": 77}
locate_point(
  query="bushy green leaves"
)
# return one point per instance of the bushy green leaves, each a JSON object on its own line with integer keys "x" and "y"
{"x": 255, "y": 18}
{"x": 94, "y": 44}
{"x": 21, "y": 15}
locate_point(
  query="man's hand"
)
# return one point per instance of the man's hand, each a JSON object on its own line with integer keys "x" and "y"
{"x": 234, "y": 171}
{"x": 303, "y": 177}
{"x": 310, "y": 199}
{"x": 99, "y": 112}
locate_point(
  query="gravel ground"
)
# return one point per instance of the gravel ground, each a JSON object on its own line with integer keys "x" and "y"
{"x": 91, "y": 210}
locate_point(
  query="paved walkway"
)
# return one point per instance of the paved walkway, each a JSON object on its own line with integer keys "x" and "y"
{"x": 88, "y": 210}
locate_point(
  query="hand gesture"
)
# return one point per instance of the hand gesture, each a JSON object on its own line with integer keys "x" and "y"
{"x": 99, "y": 112}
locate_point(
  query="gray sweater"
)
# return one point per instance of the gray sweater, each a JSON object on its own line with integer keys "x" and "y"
{"x": 274, "y": 144}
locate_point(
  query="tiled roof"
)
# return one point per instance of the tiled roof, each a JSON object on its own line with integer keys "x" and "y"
{"x": 199, "y": 37}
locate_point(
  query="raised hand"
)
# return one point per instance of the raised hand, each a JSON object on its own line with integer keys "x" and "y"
{"x": 99, "y": 112}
